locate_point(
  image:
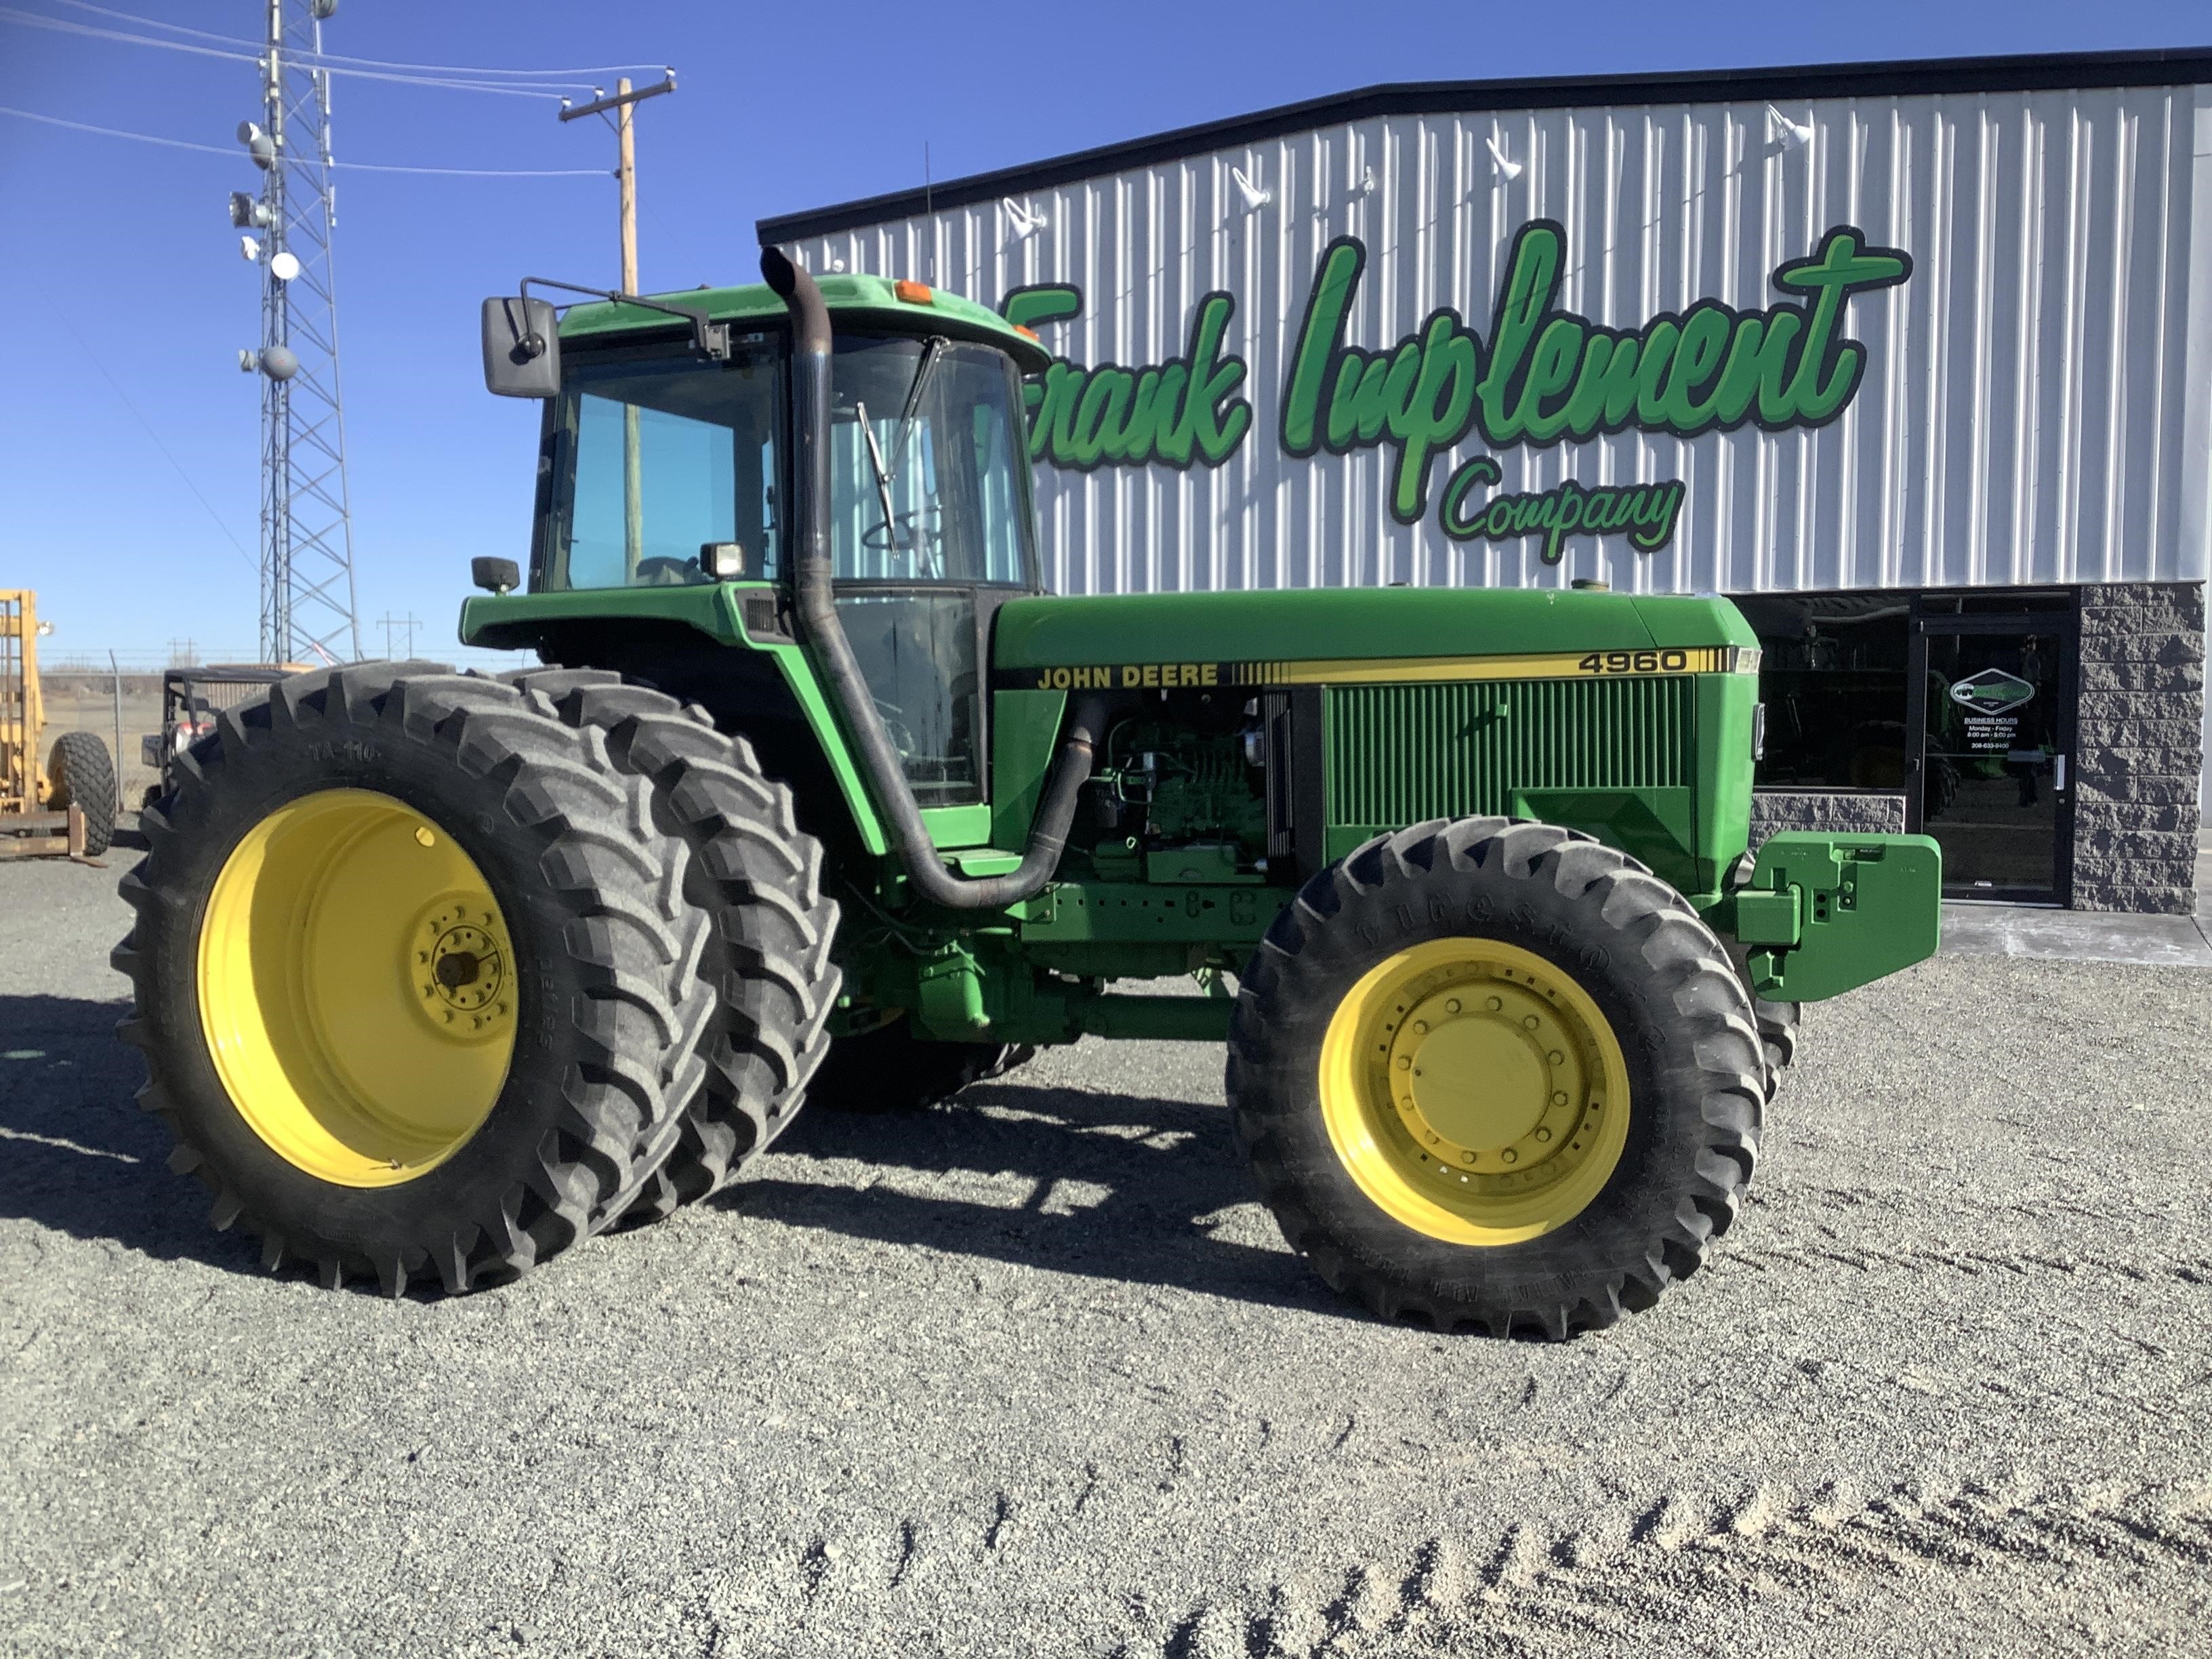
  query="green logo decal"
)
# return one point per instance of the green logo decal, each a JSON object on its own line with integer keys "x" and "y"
{"x": 1183, "y": 411}
{"x": 1547, "y": 376}
{"x": 1645, "y": 513}
{"x": 1544, "y": 376}
{"x": 1993, "y": 691}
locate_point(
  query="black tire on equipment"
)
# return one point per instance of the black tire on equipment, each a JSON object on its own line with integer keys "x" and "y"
{"x": 1778, "y": 1026}
{"x": 758, "y": 877}
{"x": 890, "y": 1069}
{"x": 83, "y": 773}
{"x": 607, "y": 1026}
{"x": 1656, "y": 972}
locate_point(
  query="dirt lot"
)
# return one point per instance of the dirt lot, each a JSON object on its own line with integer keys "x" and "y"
{"x": 1033, "y": 1375}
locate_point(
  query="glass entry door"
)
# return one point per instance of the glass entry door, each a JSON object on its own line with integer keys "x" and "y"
{"x": 1992, "y": 782}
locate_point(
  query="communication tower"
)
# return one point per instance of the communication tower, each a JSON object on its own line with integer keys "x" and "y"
{"x": 307, "y": 605}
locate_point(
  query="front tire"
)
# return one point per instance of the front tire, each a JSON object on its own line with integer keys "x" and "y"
{"x": 1496, "y": 1075}
{"x": 1780, "y": 1024}
{"x": 413, "y": 976}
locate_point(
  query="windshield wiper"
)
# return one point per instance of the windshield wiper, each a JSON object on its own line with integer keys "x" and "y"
{"x": 930, "y": 349}
{"x": 883, "y": 478}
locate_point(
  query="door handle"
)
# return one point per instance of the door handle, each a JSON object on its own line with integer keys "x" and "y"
{"x": 2059, "y": 772}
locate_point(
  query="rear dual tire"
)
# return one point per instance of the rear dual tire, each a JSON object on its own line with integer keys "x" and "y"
{"x": 415, "y": 976}
{"x": 1495, "y": 1075}
{"x": 758, "y": 877}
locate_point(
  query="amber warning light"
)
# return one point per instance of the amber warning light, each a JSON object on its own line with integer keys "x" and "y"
{"x": 913, "y": 293}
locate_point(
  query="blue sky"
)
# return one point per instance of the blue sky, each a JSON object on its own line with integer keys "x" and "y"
{"x": 123, "y": 289}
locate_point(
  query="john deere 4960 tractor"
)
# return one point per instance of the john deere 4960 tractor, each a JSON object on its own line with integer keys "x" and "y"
{"x": 437, "y": 974}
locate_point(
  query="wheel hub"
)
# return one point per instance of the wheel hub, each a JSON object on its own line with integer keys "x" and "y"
{"x": 1475, "y": 1090}
{"x": 1486, "y": 1078}
{"x": 459, "y": 970}
{"x": 357, "y": 988}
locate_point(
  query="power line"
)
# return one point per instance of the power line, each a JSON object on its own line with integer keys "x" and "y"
{"x": 477, "y": 173}
{"x": 231, "y": 152}
{"x": 92, "y": 357}
{"x": 32, "y": 19}
{"x": 343, "y": 58}
{"x": 554, "y": 89}
{"x": 116, "y": 132}
{"x": 160, "y": 23}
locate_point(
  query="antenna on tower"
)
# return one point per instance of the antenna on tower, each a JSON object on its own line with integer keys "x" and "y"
{"x": 307, "y": 606}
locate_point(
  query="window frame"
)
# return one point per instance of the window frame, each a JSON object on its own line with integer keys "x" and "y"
{"x": 555, "y": 444}
{"x": 554, "y": 507}
{"x": 1031, "y": 580}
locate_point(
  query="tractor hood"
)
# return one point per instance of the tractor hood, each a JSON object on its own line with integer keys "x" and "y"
{"x": 1290, "y": 636}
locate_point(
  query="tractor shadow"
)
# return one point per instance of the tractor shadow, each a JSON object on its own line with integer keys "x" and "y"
{"x": 1127, "y": 1188}
{"x": 77, "y": 1156}
{"x": 1124, "y": 1188}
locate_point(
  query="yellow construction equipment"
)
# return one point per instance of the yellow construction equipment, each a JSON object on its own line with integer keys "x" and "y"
{"x": 66, "y": 806}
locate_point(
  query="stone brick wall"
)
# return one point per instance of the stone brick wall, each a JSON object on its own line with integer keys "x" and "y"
{"x": 1828, "y": 810}
{"x": 2139, "y": 749}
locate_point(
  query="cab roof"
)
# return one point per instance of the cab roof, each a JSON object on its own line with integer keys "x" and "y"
{"x": 872, "y": 300}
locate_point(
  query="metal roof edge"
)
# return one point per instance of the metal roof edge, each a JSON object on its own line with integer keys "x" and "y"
{"x": 2028, "y": 72}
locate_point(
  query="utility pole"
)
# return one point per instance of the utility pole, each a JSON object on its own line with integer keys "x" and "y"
{"x": 626, "y": 181}
{"x": 307, "y": 605}
{"x": 624, "y": 103}
{"x": 407, "y": 625}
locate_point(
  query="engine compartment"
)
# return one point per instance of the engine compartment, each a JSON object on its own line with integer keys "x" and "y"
{"x": 1179, "y": 794}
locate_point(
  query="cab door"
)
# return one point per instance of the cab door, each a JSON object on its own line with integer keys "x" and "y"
{"x": 932, "y": 529}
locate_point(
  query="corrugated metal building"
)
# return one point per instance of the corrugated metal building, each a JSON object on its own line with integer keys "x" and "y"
{"x": 1916, "y": 359}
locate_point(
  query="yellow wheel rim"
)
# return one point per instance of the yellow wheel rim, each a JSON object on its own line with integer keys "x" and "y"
{"x": 356, "y": 986}
{"x": 1474, "y": 1091}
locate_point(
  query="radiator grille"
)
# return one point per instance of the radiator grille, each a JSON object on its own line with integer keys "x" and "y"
{"x": 1400, "y": 754}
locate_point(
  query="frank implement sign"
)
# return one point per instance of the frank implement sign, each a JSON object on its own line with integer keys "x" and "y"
{"x": 1538, "y": 376}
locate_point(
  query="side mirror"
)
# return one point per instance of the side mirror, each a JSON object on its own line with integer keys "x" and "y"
{"x": 495, "y": 575}
{"x": 521, "y": 347}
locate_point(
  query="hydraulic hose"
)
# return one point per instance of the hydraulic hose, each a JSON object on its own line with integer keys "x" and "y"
{"x": 814, "y": 594}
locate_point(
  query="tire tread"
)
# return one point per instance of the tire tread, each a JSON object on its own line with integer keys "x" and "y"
{"x": 1684, "y": 967}
{"x": 756, "y": 878}
{"x": 633, "y": 945}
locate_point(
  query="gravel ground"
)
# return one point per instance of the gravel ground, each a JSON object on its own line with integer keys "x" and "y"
{"x": 1033, "y": 1375}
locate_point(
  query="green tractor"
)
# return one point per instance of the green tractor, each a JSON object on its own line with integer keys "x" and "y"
{"x": 818, "y": 792}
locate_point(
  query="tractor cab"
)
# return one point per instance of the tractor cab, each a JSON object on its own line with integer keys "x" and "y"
{"x": 667, "y": 464}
